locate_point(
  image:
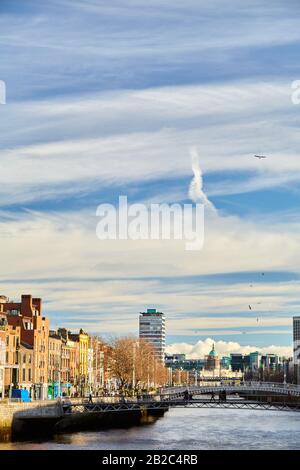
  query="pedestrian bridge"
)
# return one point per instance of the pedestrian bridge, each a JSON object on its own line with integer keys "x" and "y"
{"x": 262, "y": 388}
{"x": 165, "y": 405}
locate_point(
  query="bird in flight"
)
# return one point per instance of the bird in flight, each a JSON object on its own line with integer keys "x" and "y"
{"x": 196, "y": 192}
{"x": 250, "y": 308}
{"x": 260, "y": 156}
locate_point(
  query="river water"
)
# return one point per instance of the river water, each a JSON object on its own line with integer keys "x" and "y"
{"x": 188, "y": 429}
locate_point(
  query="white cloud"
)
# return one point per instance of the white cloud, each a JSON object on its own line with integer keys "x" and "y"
{"x": 137, "y": 136}
{"x": 58, "y": 257}
{"x": 223, "y": 348}
{"x": 54, "y": 148}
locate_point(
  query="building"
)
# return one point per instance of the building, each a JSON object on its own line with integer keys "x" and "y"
{"x": 26, "y": 323}
{"x": 54, "y": 364}
{"x": 212, "y": 361}
{"x": 254, "y": 362}
{"x": 73, "y": 347}
{"x": 152, "y": 330}
{"x": 225, "y": 362}
{"x": 65, "y": 368}
{"x": 2, "y": 355}
{"x": 83, "y": 341}
{"x": 26, "y": 367}
{"x": 174, "y": 358}
{"x": 179, "y": 361}
{"x": 237, "y": 362}
{"x": 70, "y": 361}
{"x": 98, "y": 364}
{"x": 90, "y": 368}
{"x": 296, "y": 346}
{"x": 12, "y": 359}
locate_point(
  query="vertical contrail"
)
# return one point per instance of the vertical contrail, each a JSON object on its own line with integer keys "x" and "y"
{"x": 196, "y": 193}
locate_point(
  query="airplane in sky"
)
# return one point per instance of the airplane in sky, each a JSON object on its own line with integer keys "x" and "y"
{"x": 260, "y": 156}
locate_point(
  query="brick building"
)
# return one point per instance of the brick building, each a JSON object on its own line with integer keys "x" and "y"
{"x": 26, "y": 321}
{"x": 26, "y": 362}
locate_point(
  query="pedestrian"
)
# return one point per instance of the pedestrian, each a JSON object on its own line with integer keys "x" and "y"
{"x": 90, "y": 398}
{"x": 212, "y": 396}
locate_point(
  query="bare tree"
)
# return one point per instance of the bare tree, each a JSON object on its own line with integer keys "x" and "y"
{"x": 122, "y": 360}
{"x": 134, "y": 364}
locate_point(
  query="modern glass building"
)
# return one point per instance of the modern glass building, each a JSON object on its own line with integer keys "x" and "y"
{"x": 152, "y": 329}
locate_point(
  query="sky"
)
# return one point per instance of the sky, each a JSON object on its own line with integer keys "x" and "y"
{"x": 106, "y": 99}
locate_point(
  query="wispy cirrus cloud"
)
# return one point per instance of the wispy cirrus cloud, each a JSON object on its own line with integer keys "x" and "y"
{"x": 101, "y": 104}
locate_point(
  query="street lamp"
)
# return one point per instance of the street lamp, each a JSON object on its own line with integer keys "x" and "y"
{"x": 284, "y": 371}
{"x": 133, "y": 368}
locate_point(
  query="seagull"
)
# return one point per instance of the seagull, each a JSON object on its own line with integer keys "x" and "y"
{"x": 260, "y": 156}
{"x": 196, "y": 193}
{"x": 250, "y": 308}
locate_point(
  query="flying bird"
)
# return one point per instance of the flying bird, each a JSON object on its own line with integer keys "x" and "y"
{"x": 250, "y": 308}
{"x": 196, "y": 192}
{"x": 260, "y": 156}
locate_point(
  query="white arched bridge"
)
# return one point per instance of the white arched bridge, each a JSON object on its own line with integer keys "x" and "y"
{"x": 267, "y": 388}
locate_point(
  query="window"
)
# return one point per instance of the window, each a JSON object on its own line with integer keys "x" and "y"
{"x": 23, "y": 375}
{"x": 29, "y": 375}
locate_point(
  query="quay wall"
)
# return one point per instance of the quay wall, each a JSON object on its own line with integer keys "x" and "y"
{"x": 12, "y": 413}
{"x": 21, "y": 420}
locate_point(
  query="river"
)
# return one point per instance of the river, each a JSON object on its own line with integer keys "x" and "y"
{"x": 187, "y": 429}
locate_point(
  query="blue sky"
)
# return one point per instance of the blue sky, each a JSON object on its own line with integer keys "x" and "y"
{"x": 106, "y": 100}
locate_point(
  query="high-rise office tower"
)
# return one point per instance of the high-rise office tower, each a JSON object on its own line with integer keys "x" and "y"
{"x": 152, "y": 330}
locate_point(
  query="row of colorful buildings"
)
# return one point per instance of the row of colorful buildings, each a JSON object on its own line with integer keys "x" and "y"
{"x": 45, "y": 362}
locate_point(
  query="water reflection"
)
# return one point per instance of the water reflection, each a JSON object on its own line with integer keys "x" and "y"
{"x": 188, "y": 429}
